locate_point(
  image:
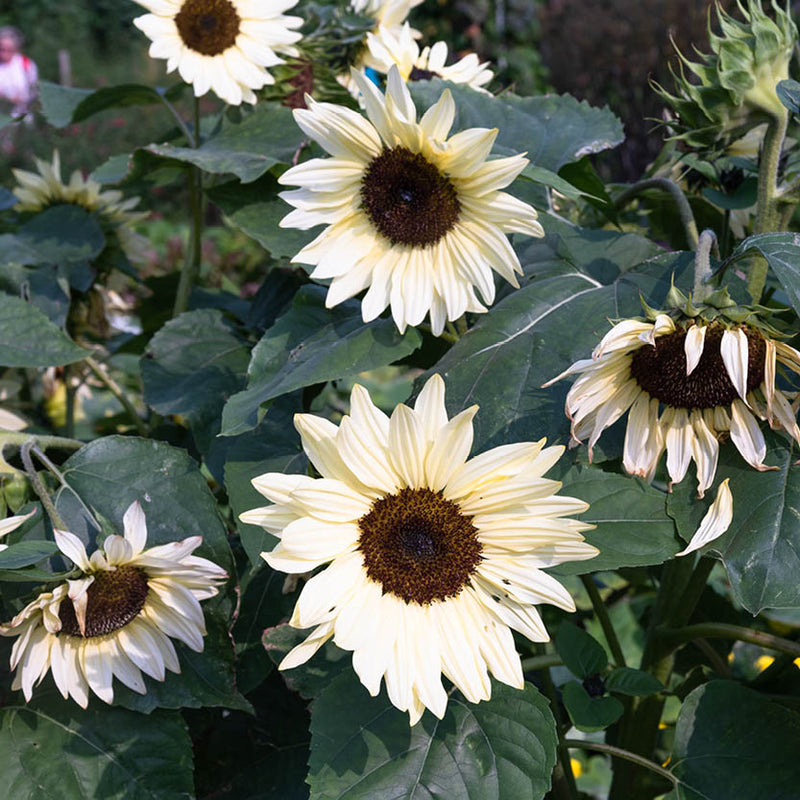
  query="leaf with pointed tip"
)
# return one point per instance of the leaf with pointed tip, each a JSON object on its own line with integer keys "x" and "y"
{"x": 581, "y": 653}
{"x": 782, "y": 251}
{"x": 590, "y": 713}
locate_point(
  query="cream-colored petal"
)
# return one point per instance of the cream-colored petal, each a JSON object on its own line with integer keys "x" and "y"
{"x": 717, "y": 520}
{"x": 693, "y": 346}
{"x": 734, "y": 351}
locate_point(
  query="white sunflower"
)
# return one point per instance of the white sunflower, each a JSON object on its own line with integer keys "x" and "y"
{"x": 413, "y": 216}
{"x": 222, "y": 45}
{"x": 36, "y": 191}
{"x": 687, "y": 386}
{"x": 388, "y": 48}
{"x": 431, "y": 559}
{"x": 117, "y": 618}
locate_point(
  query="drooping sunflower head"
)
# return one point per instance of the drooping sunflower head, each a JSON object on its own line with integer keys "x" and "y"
{"x": 413, "y": 215}
{"x": 36, "y": 191}
{"x": 688, "y": 384}
{"x": 430, "y": 558}
{"x": 222, "y": 45}
{"x": 116, "y": 617}
{"x": 734, "y": 86}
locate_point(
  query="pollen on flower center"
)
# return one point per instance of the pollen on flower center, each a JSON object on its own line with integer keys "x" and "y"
{"x": 418, "y": 546}
{"x": 407, "y": 199}
{"x": 114, "y": 599}
{"x": 661, "y": 370}
{"x": 209, "y": 27}
{"x": 418, "y": 74}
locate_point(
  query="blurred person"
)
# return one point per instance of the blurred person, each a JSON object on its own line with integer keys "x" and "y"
{"x": 18, "y": 74}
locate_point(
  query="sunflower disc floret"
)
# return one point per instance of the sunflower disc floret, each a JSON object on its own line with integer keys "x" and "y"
{"x": 429, "y": 559}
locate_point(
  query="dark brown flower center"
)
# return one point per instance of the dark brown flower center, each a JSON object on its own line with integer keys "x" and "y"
{"x": 209, "y": 27}
{"x": 422, "y": 74}
{"x": 407, "y": 199}
{"x": 419, "y": 546}
{"x": 114, "y": 599}
{"x": 661, "y": 370}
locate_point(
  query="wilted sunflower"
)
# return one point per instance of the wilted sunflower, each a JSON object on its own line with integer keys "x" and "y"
{"x": 117, "y": 618}
{"x": 222, "y": 45}
{"x": 431, "y": 559}
{"x": 38, "y": 191}
{"x": 387, "y": 48}
{"x": 413, "y": 216}
{"x": 686, "y": 387}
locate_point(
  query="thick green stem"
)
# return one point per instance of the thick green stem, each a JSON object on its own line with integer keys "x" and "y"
{"x": 702, "y": 264}
{"x": 601, "y": 612}
{"x": 38, "y": 486}
{"x": 720, "y": 630}
{"x": 768, "y": 212}
{"x": 540, "y": 662}
{"x": 618, "y": 752}
{"x": 675, "y": 191}
{"x": 191, "y": 264}
{"x": 114, "y": 388}
{"x": 43, "y": 442}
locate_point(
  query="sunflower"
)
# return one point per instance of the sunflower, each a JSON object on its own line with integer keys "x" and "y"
{"x": 687, "y": 386}
{"x": 432, "y": 559}
{"x": 117, "y": 618}
{"x": 387, "y": 47}
{"x": 413, "y": 216}
{"x": 36, "y": 191}
{"x": 222, "y": 45}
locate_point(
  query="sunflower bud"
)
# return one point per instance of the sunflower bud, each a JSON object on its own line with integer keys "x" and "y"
{"x": 734, "y": 86}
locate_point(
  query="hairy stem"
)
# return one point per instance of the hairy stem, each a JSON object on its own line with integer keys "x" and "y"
{"x": 191, "y": 264}
{"x": 601, "y": 612}
{"x": 720, "y": 630}
{"x": 675, "y": 191}
{"x": 618, "y": 752}
{"x": 38, "y": 486}
{"x": 43, "y": 442}
{"x": 702, "y": 264}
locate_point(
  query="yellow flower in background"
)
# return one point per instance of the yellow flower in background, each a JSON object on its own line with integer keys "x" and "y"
{"x": 116, "y": 619}
{"x": 684, "y": 387}
{"x": 388, "y": 48}
{"x": 430, "y": 558}
{"x": 414, "y": 216}
{"x": 222, "y": 45}
{"x": 37, "y": 191}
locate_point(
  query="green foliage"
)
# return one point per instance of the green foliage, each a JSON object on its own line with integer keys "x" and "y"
{"x": 581, "y": 653}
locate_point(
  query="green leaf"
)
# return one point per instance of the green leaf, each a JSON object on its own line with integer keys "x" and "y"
{"x": 59, "y": 102}
{"x": 731, "y": 742}
{"x": 625, "y": 680}
{"x": 23, "y": 554}
{"x": 553, "y": 129}
{"x": 111, "y": 473}
{"x": 589, "y": 713}
{"x": 312, "y": 344}
{"x": 761, "y": 549}
{"x": 273, "y": 446}
{"x": 582, "y": 175}
{"x": 266, "y": 136}
{"x": 789, "y": 94}
{"x": 502, "y": 362}
{"x": 29, "y": 339}
{"x": 121, "y": 96}
{"x": 782, "y": 251}
{"x": 547, "y": 178}
{"x": 581, "y": 653}
{"x": 633, "y": 528}
{"x": 192, "y": 366}
{"x": 206, "y": 679}
{"x": 256, "y": 210}
{"x": 52, "y": 748}
{"x": 57, "y": 235}
{"x": 362, "y": 748}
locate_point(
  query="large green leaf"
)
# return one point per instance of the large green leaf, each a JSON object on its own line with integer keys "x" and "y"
{"x": 57, "y": 235}
{"x": 761, "y": 549}
{"x": 266, "y": 136}
{"x": 52, "y": 748}
{"x": 111, "y": 473}
{"x": 23, "y": 554}
{"x": 192, "y": 366}
{"x": 362, "y": 747}
{"x": 590, "y": 713}
{"x": 59, "y": 102}
{"x": 256, "y": 210}
{"x": 274, "y": 446}
{"x": 502, "y": 362}
{"x": 29, "y": 339}
{"x": 553, "y": 129}
{"x": 731, "y": 742}
{"x": 581, "y": 653}
{"x": 312, "y": 344}
{"x": 782, "y": 251}
{"x": 633, "y": 529}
